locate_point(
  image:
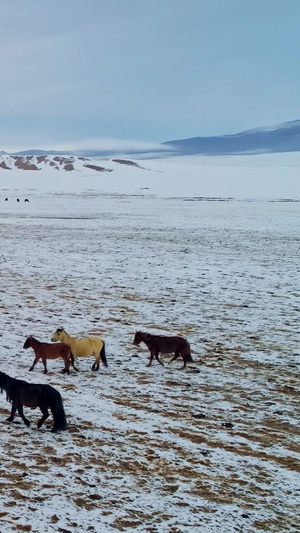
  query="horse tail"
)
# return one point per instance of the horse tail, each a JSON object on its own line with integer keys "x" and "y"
{"x": 59, "y": 416}
{"x": 188, "y": 356}
{"x": 103, "y": 356}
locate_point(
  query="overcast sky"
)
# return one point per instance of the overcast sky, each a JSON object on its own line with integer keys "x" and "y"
{"x": 78, "y": 71}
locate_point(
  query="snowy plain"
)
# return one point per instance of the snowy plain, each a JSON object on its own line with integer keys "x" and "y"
{"x": 207, "y": 248}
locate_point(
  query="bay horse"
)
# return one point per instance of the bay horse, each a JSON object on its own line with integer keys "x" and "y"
{"x": 162, "y": 344}
{"x": 46, "y": 350}
{"x": 21, "y": 393}
{"x": 83, "y": 347}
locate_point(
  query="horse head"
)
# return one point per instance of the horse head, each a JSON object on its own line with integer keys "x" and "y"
{"x": 57, "y": 334}
{"x": 28, "y": 342}
{"x": 138, "y": 338}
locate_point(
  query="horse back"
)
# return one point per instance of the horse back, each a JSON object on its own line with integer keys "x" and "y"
{"x": 54, "y": 350}
{"x": 86, "y": 346}
{"x": 27, "y": 394}
{"x": 166, "y": 344}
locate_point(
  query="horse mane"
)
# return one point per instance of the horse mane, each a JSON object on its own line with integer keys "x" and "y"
{"x": 146, "y": 335}
{"x": 8, "y": 387}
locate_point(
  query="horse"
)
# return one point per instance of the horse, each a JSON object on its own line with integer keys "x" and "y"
{"x": 162, "y": 344}
{"x": 21, "y": 393}
{"x": 83, "y": 347}
{"x": 45, "y": 350}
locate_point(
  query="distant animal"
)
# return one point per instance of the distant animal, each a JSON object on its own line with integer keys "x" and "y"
{"x": 20, "y": 393}
{"x": 6, "y": 199}
{"x": 83, "y": 347}
{"x": 18, "y": 200}
{"x": 162, "y": 344}
{"x": 46, "y": 350}
{"x": 26, "y": 200}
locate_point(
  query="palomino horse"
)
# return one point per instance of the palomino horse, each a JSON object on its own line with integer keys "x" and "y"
{"x": 162, "y": 344}
{"x": 21, "y": 393}
{"x": 83, "y": 347}
{"x": 45, "y": 350}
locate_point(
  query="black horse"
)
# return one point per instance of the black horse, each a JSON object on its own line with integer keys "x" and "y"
{"x": 163, "y": 344}
{"x": 21, "y": 393}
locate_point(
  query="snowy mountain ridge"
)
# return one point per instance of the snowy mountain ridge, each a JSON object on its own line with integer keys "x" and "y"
{"x": 59, "y": 162}
{"x": 283, "y": 137}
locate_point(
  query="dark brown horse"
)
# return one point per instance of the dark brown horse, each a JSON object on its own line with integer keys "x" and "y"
{"x": 21, "y": 393}
{"x": 162, "y": 344}
{"x": 46, "y": 350}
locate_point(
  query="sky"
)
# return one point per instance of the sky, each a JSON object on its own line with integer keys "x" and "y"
{"x": 111, "y": 72}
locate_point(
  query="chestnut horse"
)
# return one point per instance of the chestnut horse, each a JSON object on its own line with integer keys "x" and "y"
{"x": 83, "y": 347}
{"x": 45, "y": 350}
{"x": 21, "y": 393}
{"x": 162, "y": 344}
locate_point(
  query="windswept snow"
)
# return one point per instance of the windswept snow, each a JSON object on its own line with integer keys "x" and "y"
{"x": 211, "y": 449}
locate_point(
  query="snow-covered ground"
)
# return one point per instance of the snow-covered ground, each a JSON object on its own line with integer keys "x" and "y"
{"x": 266, "y": 176}
{"x": 146, "y": 448}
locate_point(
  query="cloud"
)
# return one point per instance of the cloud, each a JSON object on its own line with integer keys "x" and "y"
{"x": 143, "y": 70}
{"x": 104, "y": 144}
{"x": 109, "y": 144}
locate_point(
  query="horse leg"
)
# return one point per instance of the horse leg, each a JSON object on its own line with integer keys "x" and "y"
{"x": 12, "y": 413}
{"x": 177, "y": 354}
{"x": 67, "y": 366}
{"x": 34, "y": 363}
{"x": 73, "y": 363}
{"x": 152, "y": 354}
{"x": 184, "y": 362}
{"x": 21, "y": 413}
{"x": 44, "y": 417}
{"x": 44, "y": 361}
{"x": 157, "y": 359}
{"x": 96, "y": 363}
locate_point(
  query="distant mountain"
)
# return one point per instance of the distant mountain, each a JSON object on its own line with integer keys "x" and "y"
{"x": 281, "y": 138}
{"x": 61, "y": 163}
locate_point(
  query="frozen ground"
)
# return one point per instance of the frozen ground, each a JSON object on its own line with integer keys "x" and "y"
{"x": 147, "y": 449}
